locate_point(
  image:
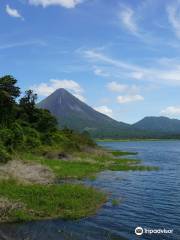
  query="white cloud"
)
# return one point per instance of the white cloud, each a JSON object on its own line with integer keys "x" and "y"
{"x": 126, "y": 16}
{"x": 166, "y": 71}
{"x": 137, "y": 75}
{"x": 13, "y": 12}
{"x": 100, "y": 72}
{"x": 174, "y": 17}
{"x": 129, "y": 98}
{"x": 22, "y": 44}
{"x": 171, "y": 111}
{"x": 62, "y": 3}
{"x": 98, "y": 56}
{"x": 45, "y": 89}
{"x": 105, "y": 110}
{"x": 117, "y": 87}
{"x": 130, "y": 19}
{"x": 80, "y": 97}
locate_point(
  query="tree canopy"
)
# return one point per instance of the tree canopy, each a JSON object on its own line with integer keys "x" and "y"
{"x": 9, "y": 92}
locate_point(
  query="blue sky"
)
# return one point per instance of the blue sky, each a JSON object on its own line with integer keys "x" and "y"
{"x": 120, "y": 57}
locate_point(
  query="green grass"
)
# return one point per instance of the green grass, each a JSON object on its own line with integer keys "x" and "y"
{"x": 117, "y": 153}
{"x": 88, "y": 165}
{"x": 67, "y": 169}
{"x": 70, "y": 169}
{"x": 66, "y": 201}
{"x": 124, "y": 167}
{"x": 109, "y": 156}
{"x": 115, "y": 202}
{"x": 127, "y": 161}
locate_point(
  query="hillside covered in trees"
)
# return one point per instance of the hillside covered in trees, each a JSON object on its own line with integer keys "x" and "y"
{"x": 25, "y": 127}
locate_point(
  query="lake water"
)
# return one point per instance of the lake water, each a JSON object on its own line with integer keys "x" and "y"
{"x": 148, "y": 199}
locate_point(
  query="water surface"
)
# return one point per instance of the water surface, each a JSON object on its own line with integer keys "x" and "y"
{"x": 148, "y": 199}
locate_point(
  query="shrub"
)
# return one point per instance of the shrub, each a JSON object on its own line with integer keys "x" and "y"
{"x": 4, "y": 155}
{"x": 18, "y": 135}
{"x": 32, "y": 138}
{"x": 47, "y": 139}
{"x": 84, "y": 139}
{"x": 58, "y": 137}
{"x": 69, "y": 145}
{"x": 6, "y": 138}
{"x": 78, "y": 139}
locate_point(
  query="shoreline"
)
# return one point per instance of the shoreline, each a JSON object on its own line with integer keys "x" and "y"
{"x": 134, "y": 140}
{"x": 23, "y": 199}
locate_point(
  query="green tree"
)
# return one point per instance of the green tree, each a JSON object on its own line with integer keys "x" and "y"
{"x": 40, "y": 119}
{"x": 27, "y": 106}
{"x": 44, "y": 122}
{"x": 8, "y": 94}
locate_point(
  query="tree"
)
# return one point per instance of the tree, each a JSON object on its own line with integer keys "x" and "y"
{"x": 44, "y": 122}
{"x": 27, "y": 105}
{"x": 29, "y": 100}
{"x": 8, "y": 94}
{"x": 40, "y": 119}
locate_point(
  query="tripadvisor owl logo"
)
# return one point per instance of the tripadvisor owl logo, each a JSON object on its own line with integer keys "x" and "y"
{"x": 139, "y": 231}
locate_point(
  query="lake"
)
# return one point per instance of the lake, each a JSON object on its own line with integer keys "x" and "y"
{"x": 147, "y": 199}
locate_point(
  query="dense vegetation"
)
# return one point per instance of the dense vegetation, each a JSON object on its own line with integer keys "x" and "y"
{"x": 65, "y": 201}
{"x": 25, "y": 127}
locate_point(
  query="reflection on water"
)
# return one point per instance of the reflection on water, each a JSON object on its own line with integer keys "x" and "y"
{"x": 148, "y": 199}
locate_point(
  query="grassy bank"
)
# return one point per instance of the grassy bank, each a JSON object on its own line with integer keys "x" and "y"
{"x": 117, "y": 153}
{"x": 83, "y": 165}
{"x": 34, "y": 202}
{"x": 22, "y": 199}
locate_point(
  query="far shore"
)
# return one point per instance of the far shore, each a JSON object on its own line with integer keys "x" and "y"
{"x": 134, "y": 140}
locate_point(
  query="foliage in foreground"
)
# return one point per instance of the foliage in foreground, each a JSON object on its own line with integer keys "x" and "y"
{"x": 68, "y": 201}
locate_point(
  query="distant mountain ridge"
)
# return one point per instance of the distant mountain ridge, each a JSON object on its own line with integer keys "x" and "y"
{"x": 162, "y": 124}
{"x": 75, "y": 114}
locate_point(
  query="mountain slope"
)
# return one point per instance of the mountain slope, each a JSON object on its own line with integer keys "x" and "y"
{"x": 160, "y": 124}
{"x": 73, "y": 113}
